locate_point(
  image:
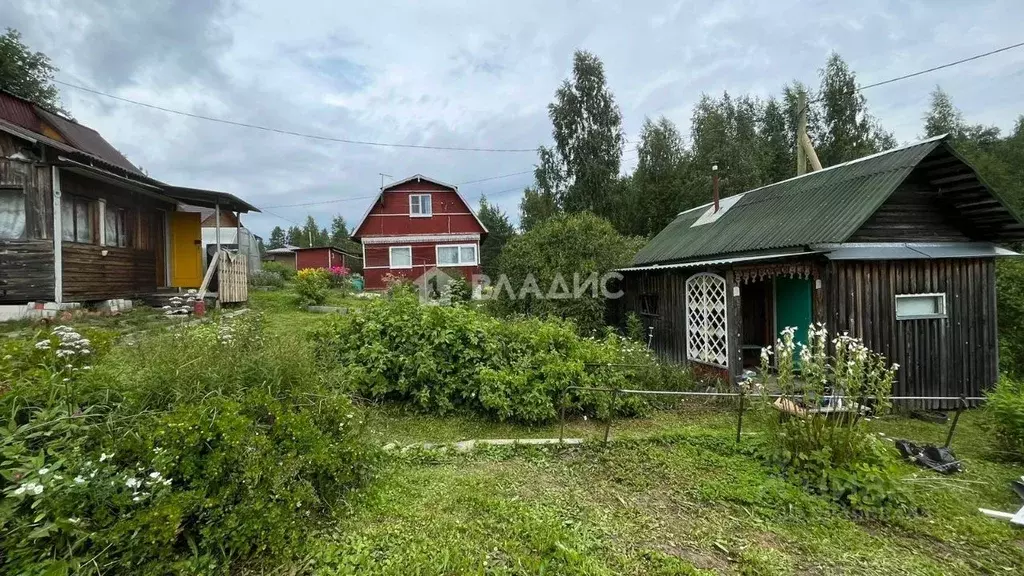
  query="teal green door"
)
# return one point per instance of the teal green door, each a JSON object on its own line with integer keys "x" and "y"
{"x": 793, "y": 308}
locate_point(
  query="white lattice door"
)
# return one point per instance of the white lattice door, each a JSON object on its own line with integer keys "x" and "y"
{"x": 706, "y": 327}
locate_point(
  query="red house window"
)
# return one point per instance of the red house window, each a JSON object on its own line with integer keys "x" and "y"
{"x": 419, "y": 205}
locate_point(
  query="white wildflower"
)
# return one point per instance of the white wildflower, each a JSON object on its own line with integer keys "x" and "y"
{"x": 44, "y": 471}
{"x": 133, "y": 483}
{"x": 43, "y": 345}
{"x": 104, "y": 456}
{"x": 79, "y": 479}
{"x": 154, "y": 475}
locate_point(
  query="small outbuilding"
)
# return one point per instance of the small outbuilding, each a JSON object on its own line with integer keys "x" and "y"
{"x": 323, "y": 257}
{"x": 897, "y": 248}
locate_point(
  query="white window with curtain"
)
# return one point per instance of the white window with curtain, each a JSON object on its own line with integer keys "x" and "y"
{"x": 920, "y": 306}
{"x": 75, "y": 219}
{"x": 12, "y": 212}
{"x": 116, "y": 229}
{"x": 400, "y": 257}
{"x": 707, "y": 334}
{"x": 456, "y": 255}
{"x": 419, "y": 205}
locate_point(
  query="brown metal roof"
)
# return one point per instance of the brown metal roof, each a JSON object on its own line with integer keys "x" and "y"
{"x": 86, "y": 139}
{"x": 18, "y": 112}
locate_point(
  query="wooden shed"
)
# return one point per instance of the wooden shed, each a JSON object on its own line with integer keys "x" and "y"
{"x": 897, "y": 249}
{"x": 323, "y": 257}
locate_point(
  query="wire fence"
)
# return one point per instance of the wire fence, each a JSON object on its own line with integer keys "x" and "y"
{"x": 962, "y": 401}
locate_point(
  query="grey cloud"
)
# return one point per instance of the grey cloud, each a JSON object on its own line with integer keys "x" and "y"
{"x": 458, "y": 74}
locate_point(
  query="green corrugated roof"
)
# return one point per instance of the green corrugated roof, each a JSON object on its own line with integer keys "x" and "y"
{"x": 821, "y": 207}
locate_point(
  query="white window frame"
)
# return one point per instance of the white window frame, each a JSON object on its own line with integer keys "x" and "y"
{"x": 707, "y": 298}
{"x": 942, "y": 313}
{"x": 391, "y": 257}
{"x": 437, "y": 255}
{"x": 421, "y": 213}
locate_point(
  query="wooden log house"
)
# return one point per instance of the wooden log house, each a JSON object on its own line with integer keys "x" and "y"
{"x": 897, "y": 249}
{"x": 80, "y": 223}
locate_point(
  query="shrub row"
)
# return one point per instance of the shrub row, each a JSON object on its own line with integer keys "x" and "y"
{"x": 445, "y": 358}
{"x": 189, "y": 452}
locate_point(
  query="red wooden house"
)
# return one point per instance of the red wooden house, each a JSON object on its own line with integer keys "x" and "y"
{"x": 415, "y": 225}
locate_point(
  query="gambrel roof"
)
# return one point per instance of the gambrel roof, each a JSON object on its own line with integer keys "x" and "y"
{"x": 828, "y": 206}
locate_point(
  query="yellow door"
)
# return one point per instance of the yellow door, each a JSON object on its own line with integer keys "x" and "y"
{"x": 186, "y": 250}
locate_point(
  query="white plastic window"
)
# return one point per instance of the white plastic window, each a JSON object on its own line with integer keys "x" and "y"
{"x": 920, "y": 306}
{"x": 401, "y": 257}
{"x": 456, "y": 255}
{"x": 419, "y": 205}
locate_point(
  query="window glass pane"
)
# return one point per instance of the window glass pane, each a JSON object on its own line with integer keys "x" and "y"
{"x": 468, "y": 254}
{"x": 401, "y": 257}
{"x": 122, "y": 228}
{"x": 918, "y": 306}
{"x": 425, "y": 204}
{"x": 12, "y": 214}
{"x": 110, "y": 226}
{"x": 83, "y": 224}
{"x": 414, "y": 204}
{"x": 447, "y": 255}
{"x": 67, "y": 219}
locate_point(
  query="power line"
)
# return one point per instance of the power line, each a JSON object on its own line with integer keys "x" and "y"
{"x": 496, "y": 177}
{"x": 339, "y": 200}
{"x": 291, "y": 132}
{"x": 932, "y": 69}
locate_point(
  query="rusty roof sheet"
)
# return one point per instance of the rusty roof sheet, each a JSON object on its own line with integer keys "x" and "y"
{"x": 825, "y": 206}
{"x": 86, "y": 139}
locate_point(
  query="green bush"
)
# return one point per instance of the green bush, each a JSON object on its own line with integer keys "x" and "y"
{"x": 312, "y": 285}
{"x": 190, "y": 452}
{"x": 1005, "y": 410}
{"x": 266, "y": 279}
{"x": 556, "y": 253}
{"x": 285, "y": 272}
{"x": 443, "y": 358}
{"x": 1010, "y": 307}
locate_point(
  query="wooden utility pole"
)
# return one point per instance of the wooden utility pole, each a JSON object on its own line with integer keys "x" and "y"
{"x": 801, "y": 131}
{"x": 804, "y": 149}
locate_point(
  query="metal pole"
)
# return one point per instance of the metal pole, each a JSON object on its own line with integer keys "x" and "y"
{"x": 611, "y": 414}
{"x": 561, "y": 418}
{"x": 956, "y": 418}
{"x": 739, "y": 421}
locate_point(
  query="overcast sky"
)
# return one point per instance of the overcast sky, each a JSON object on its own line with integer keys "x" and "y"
{"x": 470, "y": 74}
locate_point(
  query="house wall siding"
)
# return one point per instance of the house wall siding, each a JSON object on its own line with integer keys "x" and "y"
{"x": 950, "y": 356}
{"x": 95, "y": 272}
{"x": 424, "y": 257}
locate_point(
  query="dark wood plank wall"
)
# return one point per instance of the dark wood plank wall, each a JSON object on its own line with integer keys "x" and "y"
{"x": 937, "y": 357}
{"x": 914, "y": 213}
{"x": 26, "y": 264}
{"x": 26, "y": 271}
{"x": 123, "y": 272}
{"x": 669, "y": 322}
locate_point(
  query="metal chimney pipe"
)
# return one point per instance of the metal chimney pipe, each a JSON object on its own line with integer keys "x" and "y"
{"x": 714, "y": 179}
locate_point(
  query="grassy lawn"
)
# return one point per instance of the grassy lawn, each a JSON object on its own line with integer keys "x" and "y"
{"x": 671, "y": 495}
